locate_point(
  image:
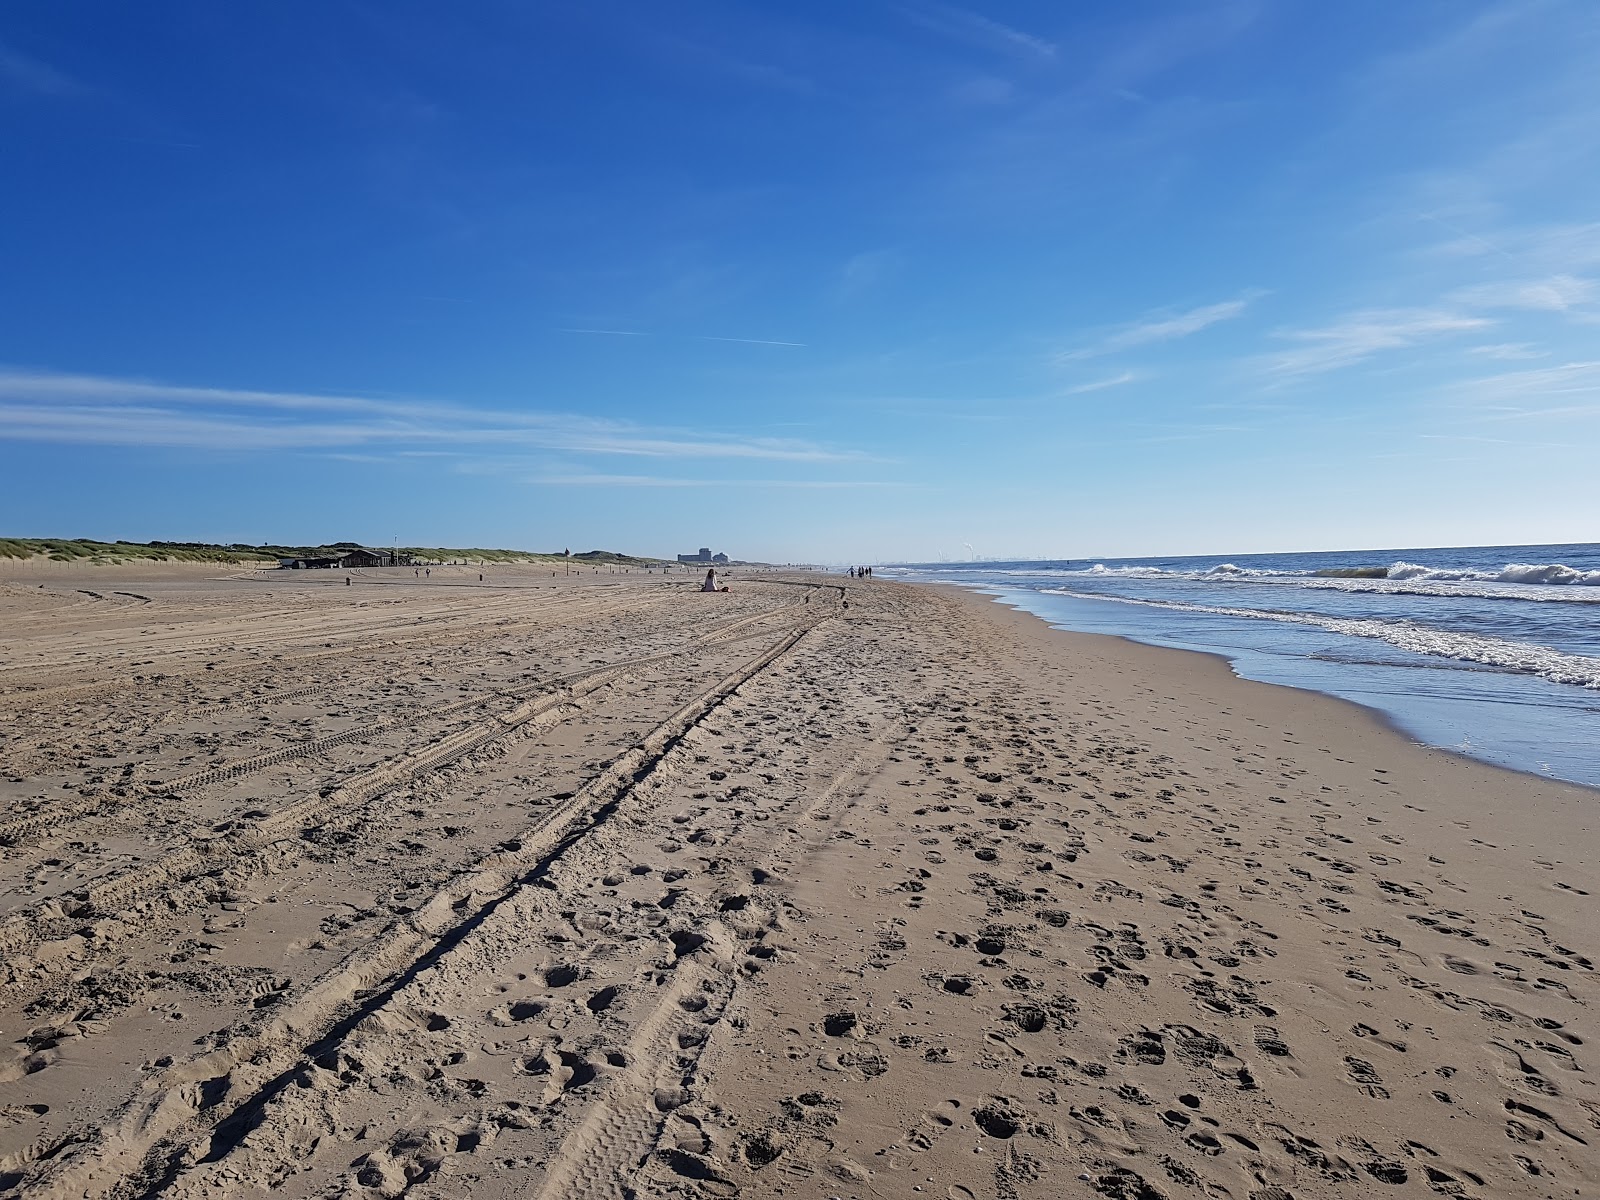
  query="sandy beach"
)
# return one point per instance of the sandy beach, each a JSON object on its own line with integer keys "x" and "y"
{"x": 595, "y": 886}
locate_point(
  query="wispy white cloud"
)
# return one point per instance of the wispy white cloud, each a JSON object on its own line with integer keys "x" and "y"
{"x": 1531, "y": 132}
{"x": 1158, "y": 327}
{"x": 1569, "y": 390}
{"x": 167, "y": 143}
{"x": 604, "y": 480}
{"x": 1509, "y": 351}
{"x": 1056, "y": 128}
{"x": 698, "y": 337}
{"x": 1100, "y": 385}
{"x": 1521, "y": 443}
{"x": 984, "y": 91}
{"x": 747, "y": 341}
{"x": 1554, "y": 248}
{"x": 1463, "y": 243}
{"x": 703, "y": 58}
{"x": 45, "y": 406}
{"x": 40, "y": 385}
{"x": 25, "y": 74}
{"x": 975, "y": 29}
{"x": 1557, "y": 293}
{"x": 863, "y": 272}
{"x": 1358, "y": 336}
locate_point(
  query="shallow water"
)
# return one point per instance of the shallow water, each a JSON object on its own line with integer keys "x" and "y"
{"x": 1479, "y": 650}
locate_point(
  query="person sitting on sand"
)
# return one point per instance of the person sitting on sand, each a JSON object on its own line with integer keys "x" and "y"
{"x": 710, "y": 585}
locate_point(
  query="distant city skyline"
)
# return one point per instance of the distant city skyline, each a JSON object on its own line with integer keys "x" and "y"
{"x": 844, "y": 283}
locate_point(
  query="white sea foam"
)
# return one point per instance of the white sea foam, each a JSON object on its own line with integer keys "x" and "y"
{"x": 1515, "y": 581}
{"x": 1543, "y": 574}
{"x": 1522, "y": 657}
{"x": 1532, "y": 573}
{"x": 1130, "y": 572}
{"x": 1405, "y": 570}
{"x": 1469, "y": 589}
{"x": 1548, "y": 573}
{"x": 1101, "y": 571}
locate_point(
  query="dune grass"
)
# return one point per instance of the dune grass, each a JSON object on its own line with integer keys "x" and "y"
{"x": 92, "y": 553}
{"x": 89, "y": 552}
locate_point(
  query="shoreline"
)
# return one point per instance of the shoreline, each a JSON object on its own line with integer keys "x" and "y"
{"x": 1311, "y": 708}
{"x": 605, "y": 886}
{"x": 1385, "y": 720}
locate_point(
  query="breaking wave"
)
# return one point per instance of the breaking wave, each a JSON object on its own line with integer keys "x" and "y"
{"x": 1514, "y": 581}
{"x": 1531, "y": 573}
{"x": 1450, "y": 587}
{"x": 1521, "y": 657}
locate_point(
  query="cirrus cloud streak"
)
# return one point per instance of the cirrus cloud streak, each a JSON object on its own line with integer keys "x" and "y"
{"x": 62, "y": 408}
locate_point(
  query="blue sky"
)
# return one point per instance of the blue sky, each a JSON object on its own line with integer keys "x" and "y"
{"x": 823, "y": 281}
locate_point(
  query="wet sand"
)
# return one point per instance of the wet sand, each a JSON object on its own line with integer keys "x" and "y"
{"x": 600, "y": 887}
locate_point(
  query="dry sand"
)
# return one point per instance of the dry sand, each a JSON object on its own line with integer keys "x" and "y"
{"x": 600, "y": 887}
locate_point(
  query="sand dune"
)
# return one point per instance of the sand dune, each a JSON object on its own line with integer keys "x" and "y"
{"x": 599, "y": 887}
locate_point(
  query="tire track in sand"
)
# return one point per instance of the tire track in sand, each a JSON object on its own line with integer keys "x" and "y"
{"x": 36, "y": 823}
{"x": 604, "y": 1156}
{"x": 199, "y": 1109}
{"x": 202, "y": 858}
{"x": 437, "y": 628}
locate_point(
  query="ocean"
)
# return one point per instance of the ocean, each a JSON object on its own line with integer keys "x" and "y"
{"x": 1490, "y": 651}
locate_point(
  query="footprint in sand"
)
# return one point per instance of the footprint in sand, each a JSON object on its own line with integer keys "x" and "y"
{"x": 840, "y": 1024}
{"x": 1362, "y": 1073}
{"x": 704, "y": 1171}
{"x": 561, "y": 975}
{"x": 1269, "y": 1041}
{"x": 1029, "y": 1018}
{"x": 865, "y": 1063}
{"x": 1144, "y": 1047}
{"x": 763, "y": 1148}
{"x": 934, "y": 1122}
{"x": 1557, "y": 1028}
{"x": 999, "y": 1118}
{"x": 922, "y": 1136}
{"x": 1363, "y": 1030}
